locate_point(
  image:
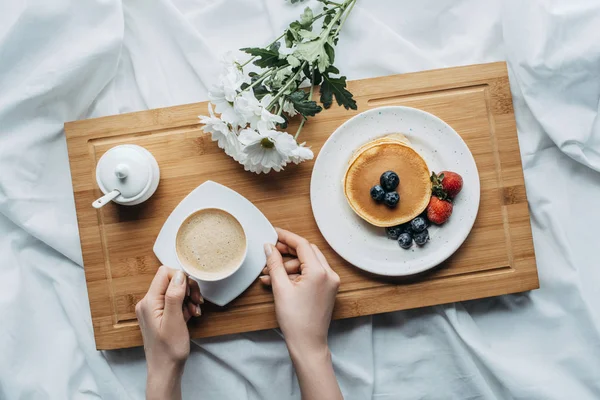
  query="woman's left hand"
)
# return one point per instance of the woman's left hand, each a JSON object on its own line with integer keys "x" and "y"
{"x": 163, "y": 313}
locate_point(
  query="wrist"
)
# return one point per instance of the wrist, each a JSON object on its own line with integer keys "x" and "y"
{"x": 309, "y": 353}
{"x": 164, "y": 381}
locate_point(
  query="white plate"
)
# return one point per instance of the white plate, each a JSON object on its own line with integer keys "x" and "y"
{"x": 364, "y": 245}
{"x": 257, "y": 227}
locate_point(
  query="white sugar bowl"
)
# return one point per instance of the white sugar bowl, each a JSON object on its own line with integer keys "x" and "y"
{"x": 127, "y": 174}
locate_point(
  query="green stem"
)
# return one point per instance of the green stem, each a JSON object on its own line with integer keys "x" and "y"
{"x": 333, "y": 22}
{"x": 330, "y": 11}
{"x": 310, "y": 94}
{"x": 347, "y": 13}
{"x": 300, "y": 127}
{"x": 287, "y": 85}
{"x": 266, "y": 74}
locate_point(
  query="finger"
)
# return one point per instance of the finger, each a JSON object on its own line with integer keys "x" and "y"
{"x": 285, "y": 249}
{"x": 321, "y": 258}
{"x": 291, "y": 267}
{"x": 301, "y": 245}
{"x": 193, "y": 309}
{"x": 186, "y": 313}
{"x": 194, "y": 290}
{"x": 266, "y": 279}
{"x": 174, "y": 298}
{"x": 275, "y": 267}
{"x": 160, "y": 282}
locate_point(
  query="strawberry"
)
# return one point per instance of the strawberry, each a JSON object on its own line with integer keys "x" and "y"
{"x": 452, "y": 183}
{"x": 438, "y": 210}
{"x": 446, "y": 185}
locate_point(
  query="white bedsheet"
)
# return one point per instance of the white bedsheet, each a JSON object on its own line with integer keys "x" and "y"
{"x": 64, "y": 60}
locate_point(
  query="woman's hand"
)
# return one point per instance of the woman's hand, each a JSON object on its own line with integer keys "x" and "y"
{"x": 304, "y": 288}
{"x": 170, "y": 302}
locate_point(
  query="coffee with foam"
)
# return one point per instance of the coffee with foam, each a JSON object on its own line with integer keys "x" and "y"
{"x": 211, "y": 244}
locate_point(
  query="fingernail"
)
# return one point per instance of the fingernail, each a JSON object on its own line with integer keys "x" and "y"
{"x": 268, "y": 249}
{"x": 188, "y": 291}
{"x": 201, "y": 300}
{"x": 179, "y": 278}
{"x": 198, "y": 311}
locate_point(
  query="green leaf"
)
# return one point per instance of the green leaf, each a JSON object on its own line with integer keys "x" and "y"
{"x": 296, "y": 1}
{"x": 330, "y": 52}
{"x": 317, "y": 78}
{"x": 293, "y": 61}
{"x": 275, "y": 47}
{"x": 281, "y": 76}
{"x": 306, "y": 18}
{"x": 267, "y": 58}
{"x": 285, "y": 122}
{"x": 336, "y": 87}
{"x": 291, "y": 37}
{"x": 332, "y": 70}
{"x": 295, "y": 26}
{"x": 313, "y": 51}
{"x": 260, "y": 91}
{"x": 307, "y": 108}
{"x": 308, "y": 35}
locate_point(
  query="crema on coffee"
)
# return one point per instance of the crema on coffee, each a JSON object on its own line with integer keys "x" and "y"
{"x": 211, "y": 243}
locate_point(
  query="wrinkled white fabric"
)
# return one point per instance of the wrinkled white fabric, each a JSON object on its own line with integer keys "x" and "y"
{"x": 63, "y": 60}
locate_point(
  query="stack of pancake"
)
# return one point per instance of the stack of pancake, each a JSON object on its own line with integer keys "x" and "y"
{"x": 389, "y": 153}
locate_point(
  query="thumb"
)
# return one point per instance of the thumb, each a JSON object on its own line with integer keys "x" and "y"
{"x": 174, "y": 297}
{"x": 275, "y": 267}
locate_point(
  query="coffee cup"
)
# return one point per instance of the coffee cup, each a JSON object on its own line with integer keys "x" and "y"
{"x": 211, "y": 244}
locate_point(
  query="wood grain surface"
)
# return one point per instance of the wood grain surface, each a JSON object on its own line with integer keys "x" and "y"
{"x": 497, "y": 258}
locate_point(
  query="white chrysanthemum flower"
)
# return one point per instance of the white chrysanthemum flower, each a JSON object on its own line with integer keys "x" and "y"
{"x": 223, "y": 94}
{"x": 218, "y": 129}
{"x": 268, "y": 121}
{"x": 255, "y": 112}
{"x": 225, "y": 107}
{"x": 301, "y": 154}
{"x": 266, "y": 149}
{"x": 288, "y": 108}
{"x": 247, "y": 106}
{"x": 234, "y": 149}
{"x": 222, "y": 133}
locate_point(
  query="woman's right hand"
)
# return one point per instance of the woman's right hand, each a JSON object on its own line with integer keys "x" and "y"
{"x": 304, "y": 288}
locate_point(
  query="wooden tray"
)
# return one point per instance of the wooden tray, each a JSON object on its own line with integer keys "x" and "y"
{"x": 497, "y": 258}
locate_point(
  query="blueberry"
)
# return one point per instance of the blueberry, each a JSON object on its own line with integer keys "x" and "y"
{"x": 421, "y": 238}
{"x": 418, "y": 224}
{"x": 389, "y": 181}
{"x": 391, "y": 199}
{"x": 407, "y": 228}
{"x": 393, "y": 232}
{"x": 377, "y": 193}
{"x": 405, "y": 240}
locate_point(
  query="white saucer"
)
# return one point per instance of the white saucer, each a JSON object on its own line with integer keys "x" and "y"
{"x": 364, "y": 245}
{"x": 257, "y": 227}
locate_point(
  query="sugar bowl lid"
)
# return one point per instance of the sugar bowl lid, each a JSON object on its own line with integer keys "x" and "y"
{"x": 128, "y": 169}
